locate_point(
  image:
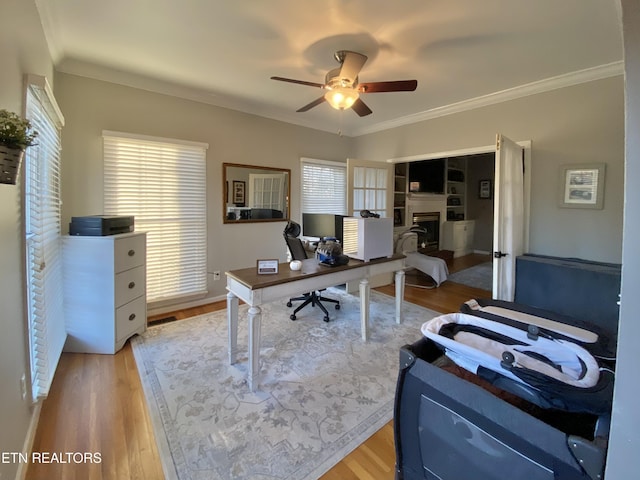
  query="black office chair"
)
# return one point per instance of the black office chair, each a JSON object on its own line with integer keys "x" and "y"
{"x": 298, "y": 252}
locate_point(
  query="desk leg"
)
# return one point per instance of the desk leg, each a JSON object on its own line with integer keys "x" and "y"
{"x": 365, "y": 291}
{"x": 232, "y": 325}
{"x": 399, "y": 295}
{"x": 255, "y": 321}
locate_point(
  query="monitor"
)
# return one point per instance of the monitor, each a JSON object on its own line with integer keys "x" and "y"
{"x": 322, "y": 225}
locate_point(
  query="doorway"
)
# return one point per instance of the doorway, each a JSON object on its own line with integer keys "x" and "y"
{"x": 472, "y": 190}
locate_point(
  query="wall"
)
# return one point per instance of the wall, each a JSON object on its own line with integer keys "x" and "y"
{"x": 91, "y": 106}
{"x": 22, "y": 50}
{"x": 578, "y": 124}
{"x": 480, "y": 167}
{"x": 624, "y": 443}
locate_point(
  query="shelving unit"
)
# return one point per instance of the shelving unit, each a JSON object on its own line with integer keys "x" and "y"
{"x": 400, "y": 195}
{"x": 456, "y": 188}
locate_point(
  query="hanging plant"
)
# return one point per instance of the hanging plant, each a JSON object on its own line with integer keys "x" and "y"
{"x": 16, "y": 134}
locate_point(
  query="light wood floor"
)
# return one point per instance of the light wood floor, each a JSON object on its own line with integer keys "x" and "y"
{"x": 96, "y": 404}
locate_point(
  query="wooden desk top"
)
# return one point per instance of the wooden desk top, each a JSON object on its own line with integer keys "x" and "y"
{"x": 310, "y": 268}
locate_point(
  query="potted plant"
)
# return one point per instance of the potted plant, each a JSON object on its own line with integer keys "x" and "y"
{"x": 16, "y": 134}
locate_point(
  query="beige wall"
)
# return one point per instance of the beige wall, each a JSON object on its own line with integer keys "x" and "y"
{"x": 91, "y": 106}
{"x": 579, "y": 124}
{"x": 22, "y": 50}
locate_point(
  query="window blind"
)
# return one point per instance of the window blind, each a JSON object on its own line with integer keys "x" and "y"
{"x": 324, "y": 187}
{"x": 47, "y": 332}
{"x": 162, "y": 183}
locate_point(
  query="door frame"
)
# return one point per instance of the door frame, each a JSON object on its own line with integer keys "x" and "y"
{"x": 525, "y": 144}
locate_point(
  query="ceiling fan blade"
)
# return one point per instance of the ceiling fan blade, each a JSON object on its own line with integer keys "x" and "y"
{"x": 352, "y": 63}
{"x": 395, "y": 86}
{"x": 361, "y": 108}
{"x": 299, "y": 82}
{"x": 309, "y": 106}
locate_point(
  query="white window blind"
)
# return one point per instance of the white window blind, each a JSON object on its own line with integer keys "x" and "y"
{"x": 47, "y": 332}
{"x": 324, "y": 187}
{"x": 162, "y": 183}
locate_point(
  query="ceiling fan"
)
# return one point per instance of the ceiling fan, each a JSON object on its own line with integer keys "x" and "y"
{"x": 343, "y": 87}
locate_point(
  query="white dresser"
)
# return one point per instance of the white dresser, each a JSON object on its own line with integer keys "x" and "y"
{"x": 458, "y": 236}
{"x": 104, "y": 291}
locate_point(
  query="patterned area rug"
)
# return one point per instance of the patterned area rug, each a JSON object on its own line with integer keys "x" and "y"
{"x": 323, "y": 390}
{"x": 478, "y": 276}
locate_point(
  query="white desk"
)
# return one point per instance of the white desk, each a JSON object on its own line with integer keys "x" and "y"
{"x": 256, "y": 290}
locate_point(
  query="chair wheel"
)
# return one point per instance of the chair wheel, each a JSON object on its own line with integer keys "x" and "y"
{"x": 289, "y": 304}
{"x": 292, "y": 317}
{"x": 326, "y": 319}
{"x": 337, "y": 306}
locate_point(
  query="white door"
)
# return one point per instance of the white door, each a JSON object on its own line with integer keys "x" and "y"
{"x": 509, "y": 216}
{"x": 369, "y": 187}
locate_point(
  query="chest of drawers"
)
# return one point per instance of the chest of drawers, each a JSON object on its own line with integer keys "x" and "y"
{"x": 104, "y": 291}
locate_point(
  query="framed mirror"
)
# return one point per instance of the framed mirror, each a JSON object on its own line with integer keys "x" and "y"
{"x": 254, "y": 194}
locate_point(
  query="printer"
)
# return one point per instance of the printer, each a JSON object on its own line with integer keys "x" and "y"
{"x": 100, "y": 225}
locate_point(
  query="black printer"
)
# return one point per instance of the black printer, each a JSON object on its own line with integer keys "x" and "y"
{"x": 100, "y": 225}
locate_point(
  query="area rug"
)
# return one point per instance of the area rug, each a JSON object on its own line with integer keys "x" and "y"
{"x": 478, "y": 276}
{"x": 323, "y": 391}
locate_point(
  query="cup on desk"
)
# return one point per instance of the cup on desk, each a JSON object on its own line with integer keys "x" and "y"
{"x": 295, "y": 265}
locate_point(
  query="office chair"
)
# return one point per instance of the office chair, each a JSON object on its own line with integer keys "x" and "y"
{"x": 298, "y": 252}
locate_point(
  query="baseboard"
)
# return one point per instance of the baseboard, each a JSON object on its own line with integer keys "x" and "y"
{"x": 21, "y": 474}
{"x": 182, "y": 306}
{"x": 482, "y": 252}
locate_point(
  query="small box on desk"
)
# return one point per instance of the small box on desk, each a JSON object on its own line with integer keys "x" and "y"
{"x": 100, "y": 225}
{"x": 367, "y": 238}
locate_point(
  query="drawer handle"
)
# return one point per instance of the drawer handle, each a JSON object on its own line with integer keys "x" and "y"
{"x": 132, "y": 317}
{"x": 132, "y": 284}
{"x": 131, "y": 252}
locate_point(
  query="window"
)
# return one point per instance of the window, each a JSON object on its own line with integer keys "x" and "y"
{"x": 370, "y": 190}
{"x": 324, "y": 187}
{"x": 47, "y": 332}
{"x": 161, "y": 182}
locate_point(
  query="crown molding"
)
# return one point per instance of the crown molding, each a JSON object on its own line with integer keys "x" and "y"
{"x": 561, "y": 81}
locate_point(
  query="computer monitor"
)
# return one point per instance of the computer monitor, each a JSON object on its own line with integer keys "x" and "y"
{"x": 322, "y": 225}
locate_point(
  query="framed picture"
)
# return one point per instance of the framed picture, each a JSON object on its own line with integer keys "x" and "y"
{"x": 267, "y": 266}
{"x": 582, "y": 186}
{"x": 238, "y": 193}
{"x": 484, "y": 189}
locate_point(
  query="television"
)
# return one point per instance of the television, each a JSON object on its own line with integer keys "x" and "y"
{"x": 427, "y": 176}
{"x": 320, "y": 225}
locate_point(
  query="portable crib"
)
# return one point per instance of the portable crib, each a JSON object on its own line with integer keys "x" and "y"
{"x": 535, "y": 405}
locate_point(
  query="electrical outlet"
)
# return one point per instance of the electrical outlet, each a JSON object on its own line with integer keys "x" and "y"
{"x": 216, "y": 275}
{"x": 23, "y": 385}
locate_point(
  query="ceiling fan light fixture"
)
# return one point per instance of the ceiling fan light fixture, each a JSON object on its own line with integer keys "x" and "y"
{"x": 341, "y": 98}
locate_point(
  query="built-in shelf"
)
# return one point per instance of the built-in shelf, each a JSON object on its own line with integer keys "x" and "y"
{"x": 455, "y": 195}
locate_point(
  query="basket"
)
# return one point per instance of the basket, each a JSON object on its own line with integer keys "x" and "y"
{"x": 10, "y": 159}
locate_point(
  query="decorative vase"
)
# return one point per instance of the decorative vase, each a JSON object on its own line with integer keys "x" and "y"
{"x": 10, "y": 159}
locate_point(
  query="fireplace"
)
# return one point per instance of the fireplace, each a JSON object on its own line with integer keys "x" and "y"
{"x": 429, "y": 221}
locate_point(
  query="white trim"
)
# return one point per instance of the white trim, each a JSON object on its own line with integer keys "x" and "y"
{"x": 21, "y": 474}
{"x": 41, "y": 82}
{"x": 561, "y": 81}
{"x": 453, "y": 153}
{"x": 185, "y": 305}
{"x": 450, "y": 153}
{"x": 149, "y": 138}
{"x": 332, "y": 163}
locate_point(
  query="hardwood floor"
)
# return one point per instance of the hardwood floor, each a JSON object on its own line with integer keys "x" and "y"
{"x": 96, "y": 404}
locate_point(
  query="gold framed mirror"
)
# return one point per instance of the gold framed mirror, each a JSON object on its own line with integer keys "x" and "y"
{"x": 253, "y": 194}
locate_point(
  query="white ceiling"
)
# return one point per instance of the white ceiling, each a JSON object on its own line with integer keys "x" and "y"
{"x": 224, "y": 52}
